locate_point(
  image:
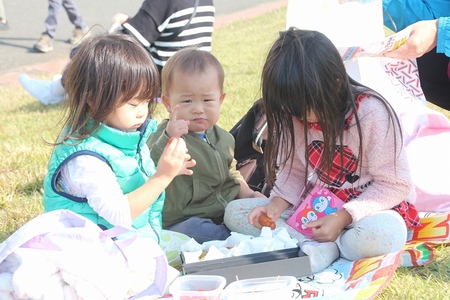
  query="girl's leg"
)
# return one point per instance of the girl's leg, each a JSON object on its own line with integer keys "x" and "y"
{"x": 236, "y": 214}
{"x": 378, "y": 234}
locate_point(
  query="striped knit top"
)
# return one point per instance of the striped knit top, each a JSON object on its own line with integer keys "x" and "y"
{"x": 158, "y": 19}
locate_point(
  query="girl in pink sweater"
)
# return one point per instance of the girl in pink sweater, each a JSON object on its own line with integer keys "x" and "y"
{"x": 331, "y": 131}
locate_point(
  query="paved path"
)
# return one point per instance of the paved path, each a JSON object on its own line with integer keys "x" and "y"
{"x": 26, "y": 19}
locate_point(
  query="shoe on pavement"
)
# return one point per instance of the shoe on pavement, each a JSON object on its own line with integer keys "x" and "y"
{"x": 46, "y": 91}
{"x": 44, "y": 44}
{"x": 4, "y": 24}
{"x": 79, "y": 35}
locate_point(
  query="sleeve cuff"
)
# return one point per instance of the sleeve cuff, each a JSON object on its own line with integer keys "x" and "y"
{"x": 443, "y": 36}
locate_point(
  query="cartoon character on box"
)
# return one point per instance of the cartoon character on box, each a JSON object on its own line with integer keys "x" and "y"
{"x": 318, "y": 203}
{"x": 321, "y": 206}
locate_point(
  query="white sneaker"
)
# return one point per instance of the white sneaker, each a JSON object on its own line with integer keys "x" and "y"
{"x": 46, "y": 91}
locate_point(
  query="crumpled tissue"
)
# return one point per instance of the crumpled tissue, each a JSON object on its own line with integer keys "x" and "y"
{"x": 238, "y": 244}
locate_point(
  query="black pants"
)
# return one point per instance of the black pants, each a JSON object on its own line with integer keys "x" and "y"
{"x": 433, "y": 68}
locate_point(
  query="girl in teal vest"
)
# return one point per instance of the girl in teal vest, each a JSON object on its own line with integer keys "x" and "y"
{"x": 100, "y": 167}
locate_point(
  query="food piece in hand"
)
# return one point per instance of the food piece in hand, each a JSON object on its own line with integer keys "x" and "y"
{"x": 264, "y": 220}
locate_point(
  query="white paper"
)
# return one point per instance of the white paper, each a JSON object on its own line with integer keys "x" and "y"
{"x": 377, "y": 48}
{"x": 346, "y": 25}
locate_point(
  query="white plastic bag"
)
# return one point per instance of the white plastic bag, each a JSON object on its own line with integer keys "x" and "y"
{"x": 62, "y": 255}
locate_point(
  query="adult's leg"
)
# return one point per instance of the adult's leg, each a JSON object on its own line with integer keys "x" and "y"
{"x": 201, "y": 229}
{"x": 3, "y": 22}
{"x": 2, "y": 11}
{"x": 52, "y": 20}
{"x": 378, "y": 234}
{"x": 73, "y": 14}
{"x": 433, "y": 73}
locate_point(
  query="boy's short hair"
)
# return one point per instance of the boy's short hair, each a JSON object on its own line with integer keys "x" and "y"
{"x": 190, "y": 60}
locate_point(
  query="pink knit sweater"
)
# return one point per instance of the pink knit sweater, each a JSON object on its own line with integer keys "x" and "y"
{"x": 384, "y": 179}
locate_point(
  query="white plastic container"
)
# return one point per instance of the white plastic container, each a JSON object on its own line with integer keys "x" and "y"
{"x": 197, "y": 287}
{"x": 261, "y": 288}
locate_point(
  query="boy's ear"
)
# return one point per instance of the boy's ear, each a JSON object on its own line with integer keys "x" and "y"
{"x": 222, "y": 97}
{"x": 166, "y": 102}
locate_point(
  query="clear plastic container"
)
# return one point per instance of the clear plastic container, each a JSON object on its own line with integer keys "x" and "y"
{"x": 261, "y": 288}
{"x": 197, "y": 287}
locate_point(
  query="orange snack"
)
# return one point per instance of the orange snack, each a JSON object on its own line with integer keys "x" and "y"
{"x": 264, "y": 220}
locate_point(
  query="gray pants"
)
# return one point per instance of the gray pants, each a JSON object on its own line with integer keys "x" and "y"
{"x": 54, "y": 12}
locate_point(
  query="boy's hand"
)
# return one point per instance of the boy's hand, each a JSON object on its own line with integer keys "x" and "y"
{"x": 176, "y": 128}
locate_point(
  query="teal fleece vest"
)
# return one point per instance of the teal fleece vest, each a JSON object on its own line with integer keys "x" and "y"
{"x": 128, "y": 156}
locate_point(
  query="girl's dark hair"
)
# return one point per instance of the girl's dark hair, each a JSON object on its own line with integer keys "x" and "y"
{"x": 304, "y": 73}
{"x": 107, "y": 71}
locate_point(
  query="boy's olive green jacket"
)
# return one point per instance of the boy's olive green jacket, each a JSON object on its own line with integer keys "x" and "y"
{"x": 213, "y": 184}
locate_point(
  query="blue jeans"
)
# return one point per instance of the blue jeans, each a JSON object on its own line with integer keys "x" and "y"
{"x": 201, "y": 229}
{"x": 54, "y": 12}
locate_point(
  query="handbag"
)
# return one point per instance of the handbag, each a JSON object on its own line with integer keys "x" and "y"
{"x": 63, "y": 255}
{"x": 314, "y": 202}
{"x": 250, "y": 135}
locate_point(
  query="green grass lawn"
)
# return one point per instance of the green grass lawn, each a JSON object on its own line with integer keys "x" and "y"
{"x": 241, "y": 47}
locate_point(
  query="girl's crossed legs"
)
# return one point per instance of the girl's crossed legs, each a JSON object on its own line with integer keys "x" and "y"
{"x": 378, "y": 234}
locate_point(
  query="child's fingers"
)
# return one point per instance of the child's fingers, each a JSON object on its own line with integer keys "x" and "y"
{"x": 177, "y": 143}
{"x": 174, "y": 114}
{"x": 176, "y": 148}
{"x": 314, "y": 224}
{"x": 254, "y": 215}
{"x": 190, "y": 163}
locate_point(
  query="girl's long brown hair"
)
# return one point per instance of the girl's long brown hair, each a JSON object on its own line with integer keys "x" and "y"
{"x": 305, "y": 73}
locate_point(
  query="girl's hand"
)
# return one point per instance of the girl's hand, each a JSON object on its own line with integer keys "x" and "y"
{"x": 174, "y": 159}
{"x": 188, "y": 163}
{"x": 328, "y": 228}
{"x": 256, "y": 213}
{"x": 176, "y": 128}
{"x": 273, "y": 210}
